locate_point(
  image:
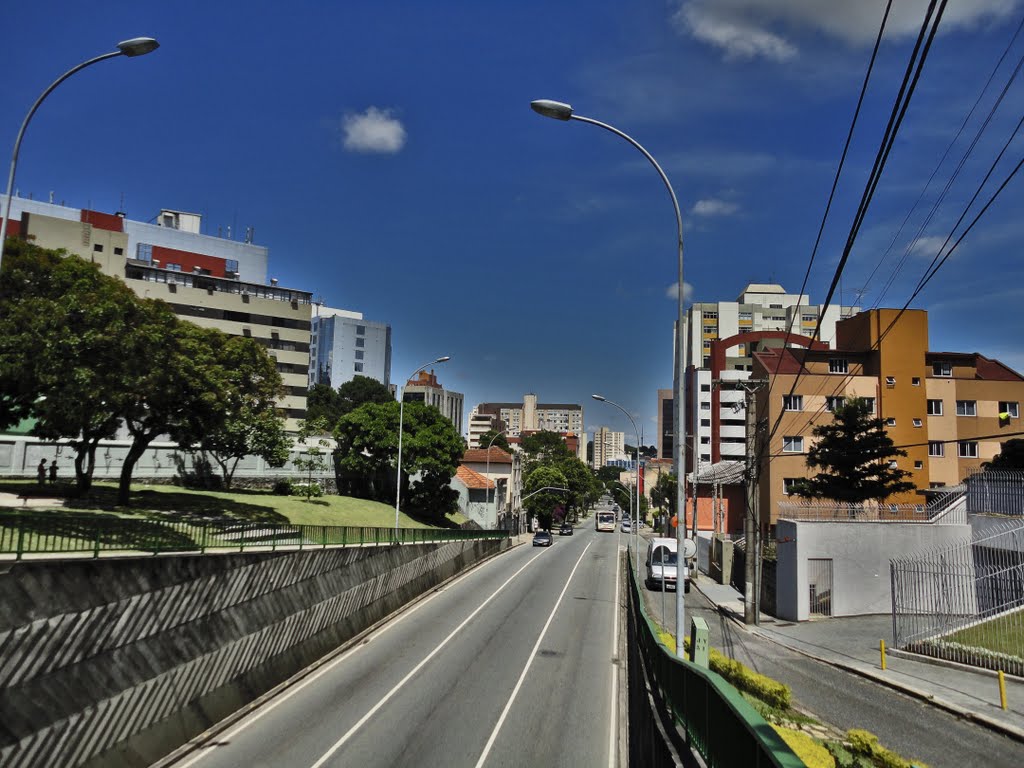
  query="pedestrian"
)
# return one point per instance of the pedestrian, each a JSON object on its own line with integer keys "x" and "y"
{"x": 53, "y": 471}
{"x": 41, "y": 472}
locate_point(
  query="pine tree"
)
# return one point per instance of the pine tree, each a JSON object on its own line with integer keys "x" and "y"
{"x": 853, "y": 456}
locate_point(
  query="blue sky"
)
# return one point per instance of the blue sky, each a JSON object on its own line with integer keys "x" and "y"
{"x": 386, "y": 154}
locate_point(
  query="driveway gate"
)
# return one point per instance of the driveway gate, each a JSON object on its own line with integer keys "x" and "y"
{"x": 819, "y": 584}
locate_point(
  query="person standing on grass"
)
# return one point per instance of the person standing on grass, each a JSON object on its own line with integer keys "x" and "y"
{"x": 41, "y": 472}
{"x": 53, "y": 471}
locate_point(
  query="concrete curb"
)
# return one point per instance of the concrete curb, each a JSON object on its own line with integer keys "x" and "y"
{"x": 1017, "y": 734}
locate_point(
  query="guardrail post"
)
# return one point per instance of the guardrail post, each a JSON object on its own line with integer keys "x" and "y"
{"x": 881, "y": 648}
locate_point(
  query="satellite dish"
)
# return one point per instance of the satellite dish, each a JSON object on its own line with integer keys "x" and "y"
{"x": 689, "y": 549}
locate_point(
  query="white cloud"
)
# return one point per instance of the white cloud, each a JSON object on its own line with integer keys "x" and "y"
{"x": 748, "y": 29}
{"x": 672, "y": 291}
{"x": 373, "y": 131}
{"x": 928, "y": 246}
{"x": 713, "y": 207}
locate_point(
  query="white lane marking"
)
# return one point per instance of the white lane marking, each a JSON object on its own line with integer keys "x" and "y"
{"x": 277, "y": 701}
{"x": 613, "y": 723}
{"x": 401, "y": 683}
{"x": 529, "y": 663}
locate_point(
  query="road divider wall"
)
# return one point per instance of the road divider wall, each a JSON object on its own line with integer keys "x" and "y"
{"x": 119, "y": 662}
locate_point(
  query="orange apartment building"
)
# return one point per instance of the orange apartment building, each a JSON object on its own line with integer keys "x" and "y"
{"x": 942, "y": 408}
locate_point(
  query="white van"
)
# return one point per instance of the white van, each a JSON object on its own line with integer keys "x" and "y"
{"x": 663, "y": 565}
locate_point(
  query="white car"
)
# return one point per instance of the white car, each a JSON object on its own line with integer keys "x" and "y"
{"x": 627, "y": 527}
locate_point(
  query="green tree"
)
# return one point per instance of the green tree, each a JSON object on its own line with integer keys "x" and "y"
{"x": 364, "y": 459}
{"x": 431, "y": 449}
{"x": 852, "y": 455}
{"x": 1010, "y": 456}
{"x": 583, "y": 486}
{"x": 542, "y": 504}
{"x": 252, "y": 425}
{"x": 499, "y": 438}
{"x": 543, "y": 447}
{"x": 663, "y": 495}
{"x": 360, "y": 391}
{"x": 323, "y": 402}
{"x": 68, "y": 349}
{"x": 312, "y": 442}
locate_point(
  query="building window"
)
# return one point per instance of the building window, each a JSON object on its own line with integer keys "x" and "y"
{"x": 789, "y": 485}
{"x": 360, "y": 330}
{"x": 890, "y": 381}
{"x": 793, "y": 444}
{"x": 934, "y": 407}
{"x": 871, "y": 404}
{"x": 892, "y": 464}
{"x": 705, "y": 422}
{"x": 119, "y": 251}
{"x": 705, "y": 406}
{"x": 916, "y": 381}
{"x": 705, "y": 457}
{"x": 838, "y": 365}
{"x": 360, "y": 342}
{"x": 967, "y": 449}
{"x": 710, "y": 315}
{"x": 936, "y": 448}
{"x": 705, "y": 440}
{"x": 918, "y": 464}
{"x": 918, "y": 423}
{"x": 890, "y": 421}
{"x": 1013, "y": 409}
{"x": 792, "y": 402}
{"x": 809, "y": 318}
{"x": 97, "y": 248}
{"x": 747, "y": 316}
{"x": 832, "y": 404}
{"x": 966, "y": 407}
{"x": 710, "y": 329}
{"x": 942, "y": 369}
{"x": 359, "y": 354}
{"x": 359, "y": 367}
{"x": 705, "y": 387}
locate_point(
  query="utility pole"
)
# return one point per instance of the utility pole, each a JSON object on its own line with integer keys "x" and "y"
{"x": 752, "y": 523}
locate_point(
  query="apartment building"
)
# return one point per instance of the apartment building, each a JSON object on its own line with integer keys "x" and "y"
{"x": 425, "y": 388}
{"x": 942, "y": 408}
{"x": 343, "y": 344}
{"x": 532, "y": 416}
{"x": 210, "y": 281}
{"x": 609, "y": 447}
{"x": 480, "y": 424}
{"x": 722, "y": 338}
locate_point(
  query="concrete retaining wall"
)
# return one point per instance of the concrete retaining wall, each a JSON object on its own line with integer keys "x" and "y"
{"x": 118, "y": 662}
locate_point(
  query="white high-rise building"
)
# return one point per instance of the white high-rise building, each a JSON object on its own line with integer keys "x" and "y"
{"x": 344, "y": 345}
{"x": 608, "y": 447}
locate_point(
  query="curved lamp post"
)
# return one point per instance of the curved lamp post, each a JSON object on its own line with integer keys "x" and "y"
{"x": 560, "y": 111}
{"x": 401, "y": 416}
{"x": 488, "y": 472}
{"x": 137, "y": 46}
{"x": 636, "y": 454}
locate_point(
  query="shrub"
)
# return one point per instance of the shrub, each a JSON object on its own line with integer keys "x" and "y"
{"x": 806, "y": 748}
{"x": 866, "y": 743}
{"x": 308, "y": 490}
{"x": 282, "y": 488}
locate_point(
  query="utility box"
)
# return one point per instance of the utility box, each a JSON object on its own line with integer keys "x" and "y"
{"x": 699, "y": 641}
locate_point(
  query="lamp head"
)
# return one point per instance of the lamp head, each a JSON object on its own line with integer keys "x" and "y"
{"x": 444, "y": 359}
{"x": 138, "y": 46}
{"x": 553, "y": 109}
{"x": 598, "y": 397}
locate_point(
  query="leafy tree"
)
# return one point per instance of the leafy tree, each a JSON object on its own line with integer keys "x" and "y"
{"x": 67, "y": 349}
{"x": 663, "y": 495}
{"x": 252, "y": 425}
{"x": 1010, "y": 456}
{"x": 367, "y": 440}
{"x": 583, "y": 486}
{"x": 313, "y": 458}
{"x": 543, "y": 447}
{"x": 543, "y": 503}
{"x": 852, "y": 455}
{"x": 431, "y": 448}
{"x": 323, "y": 402}
{"x": 361, "y": 390}
{"x": 499, "y": 438}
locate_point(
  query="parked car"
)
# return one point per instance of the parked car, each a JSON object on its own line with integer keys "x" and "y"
{"x": 626, "y": 526}
{"x": 565, "y": 530}
{"x": 542, "y": 539}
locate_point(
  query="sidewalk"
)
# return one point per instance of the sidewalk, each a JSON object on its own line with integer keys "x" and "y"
{"x": 852, "y": 643}
{"x": 13, "y": 501}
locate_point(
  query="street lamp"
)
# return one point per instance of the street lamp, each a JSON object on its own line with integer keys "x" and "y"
{"x": 636, "y": 520}
{"x": 137, "y": 46}
{"x": 401, "y": 416}
{"x": 559, "y": 111}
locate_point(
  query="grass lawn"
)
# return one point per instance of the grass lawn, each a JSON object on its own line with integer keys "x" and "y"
{"x": 251, "y": 505}
{"x": 1002, "y": 635}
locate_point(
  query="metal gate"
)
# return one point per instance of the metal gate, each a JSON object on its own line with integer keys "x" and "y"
{"x": 819, "y": 585}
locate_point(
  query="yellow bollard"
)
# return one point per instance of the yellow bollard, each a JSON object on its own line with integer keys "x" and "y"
{"x": 881, "y": 647}
{"x": 1002, "y": 690}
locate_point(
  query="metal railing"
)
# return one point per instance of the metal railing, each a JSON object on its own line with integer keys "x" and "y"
{"x": 717, "y": 721}
{"x": 25, "y": 533}
{"x": 838, "y": 511}
{"x": 964, "y": 602}
{"x": 999, "y": 492}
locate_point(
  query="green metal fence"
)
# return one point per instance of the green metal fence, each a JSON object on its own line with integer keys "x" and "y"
{"x": 717, "y": 721}
{"x": 23, "y": 533}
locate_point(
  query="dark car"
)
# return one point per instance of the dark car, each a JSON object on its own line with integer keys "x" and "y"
{"x": 565, "y": 530}
{"x": 542, "y": 539}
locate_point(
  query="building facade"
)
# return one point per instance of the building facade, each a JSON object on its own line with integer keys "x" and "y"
{"x": 425, "y": 388}
{"x": 941, "y": 408}
{"x": 199, "y": 276}
{"x": 608, "y": 447}
{"x": 530, "y": 416}
{"x": 343, "y": 345}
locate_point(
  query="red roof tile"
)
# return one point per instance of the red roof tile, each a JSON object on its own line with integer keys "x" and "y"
{"x": 473, "y": 479}
{"x": 498, "y": 456}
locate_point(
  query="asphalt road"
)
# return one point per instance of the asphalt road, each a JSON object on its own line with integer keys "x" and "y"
{"x": 844, "y": 700}
{"x": 511, "y": 665}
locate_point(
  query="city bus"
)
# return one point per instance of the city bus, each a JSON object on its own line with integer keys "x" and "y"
{"x": 605, "y": 521}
